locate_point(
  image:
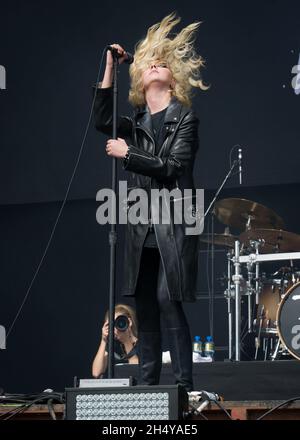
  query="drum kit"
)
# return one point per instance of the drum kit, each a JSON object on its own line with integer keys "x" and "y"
{"x": 273, "y": 300}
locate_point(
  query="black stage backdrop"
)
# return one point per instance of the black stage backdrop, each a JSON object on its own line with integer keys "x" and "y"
{"x": 51, "y": 52}
{"x": 58, "y": 332}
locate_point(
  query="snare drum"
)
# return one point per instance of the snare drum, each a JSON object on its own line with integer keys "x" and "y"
{"x": 288, "y": 320}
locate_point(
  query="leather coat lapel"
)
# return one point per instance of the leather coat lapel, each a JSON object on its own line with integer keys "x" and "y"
{"x": 172, "y": 117}
{"x": 173, "y": 111}
{"x": 145, "y": 121}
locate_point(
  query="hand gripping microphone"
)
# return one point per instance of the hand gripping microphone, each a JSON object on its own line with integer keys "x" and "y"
{"x": 129, "y": 57}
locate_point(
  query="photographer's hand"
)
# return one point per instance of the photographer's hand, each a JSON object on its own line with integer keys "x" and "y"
{"x": 105, "y": 331}
{"x": 100, "y": 360}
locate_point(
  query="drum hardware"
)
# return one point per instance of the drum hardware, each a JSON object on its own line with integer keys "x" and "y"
{"x": 262, "y": 258}
{"x": 249, "y": 219}
{"x": 276, "y": 351}
{"x": 211, "y": 209}
{"x": 271, "y": 343}
{"x": 265, "y": 348}
{"x": 281, "y": 290}
{"x": 263, "y": 240}
{"x": 288, "y": 322}
{"x": 237, "y": 281}
{"x": 250, "y": 292}
{"x": 288, "y": 273}
{"x": 226, "y": 240}
{"x": 267, "y": 345}
{"x": 253, "y": 277}
{"x": 229, "y": 296}
{"x": 272, "y": 293}
{"x": 268, "y": 328}
{"x": 256, "y": 245}
{"x": 275, "y": 240}
{"x": 269, "y": 338}
{"x": 257, "y": 339}
{"x": 245, "y": 214}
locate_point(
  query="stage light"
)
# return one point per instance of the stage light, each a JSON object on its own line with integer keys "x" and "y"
{"x": 168, "y": 402}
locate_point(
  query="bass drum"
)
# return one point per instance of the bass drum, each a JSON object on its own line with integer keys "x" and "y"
{"x": 288, "y": 320}
{"x": 272, "y": 292}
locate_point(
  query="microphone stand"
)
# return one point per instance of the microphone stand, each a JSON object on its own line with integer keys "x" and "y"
{"x": 113, "y": 231}
{"x": 228, "y": 175}
{"x": 236, "y": 162}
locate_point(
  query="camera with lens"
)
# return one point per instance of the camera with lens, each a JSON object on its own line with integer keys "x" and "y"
{"x": 122, "y": 323}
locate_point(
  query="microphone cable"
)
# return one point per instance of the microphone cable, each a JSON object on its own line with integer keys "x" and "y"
{"x": 206, "y": 398}
{"x": 270, "y": 411}
{"x": 63, "y": 202}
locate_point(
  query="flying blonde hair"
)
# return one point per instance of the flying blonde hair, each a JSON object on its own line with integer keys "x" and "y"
{"x": 178, "y": 53}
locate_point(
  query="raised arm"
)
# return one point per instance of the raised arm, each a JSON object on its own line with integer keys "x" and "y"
{"x": 103, "y": 108}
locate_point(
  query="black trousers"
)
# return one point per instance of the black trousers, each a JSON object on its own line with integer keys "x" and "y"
{"x": 152, "y": 299}
{"x": 154, "y": 307}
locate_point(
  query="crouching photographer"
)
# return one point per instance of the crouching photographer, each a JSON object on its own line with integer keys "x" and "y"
{"x": 125, "y": 334}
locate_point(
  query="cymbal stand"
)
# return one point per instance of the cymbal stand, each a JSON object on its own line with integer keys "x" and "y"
{"x": 248, "y": 224}
{"x": 275, "y": 354}
{"x": 271, "y": 344}
{"x": 266, "y": 341}
{"x": 208, "y": 210}
{"x": 237, "y": 277}
{"x": 250, "y": 277}
{"x": 257, "y": 244}
{"x": 257, "y": 339}
{"x": 228, "y": 295}
{"x": 250, "y": 290}
{"x": 264, "y": 344}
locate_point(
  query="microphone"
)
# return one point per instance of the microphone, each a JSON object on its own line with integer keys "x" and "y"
{"x": 129, "y": 57}
{"x": 202, "y": 406}
{"x": 240, "y": 165}
{"x": 207, "y": 397}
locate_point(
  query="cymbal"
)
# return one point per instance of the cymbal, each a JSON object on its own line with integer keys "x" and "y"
{"x": 237, "y": 212}
{"x": 276, "y": 240}
{"x": 219, "y": 239}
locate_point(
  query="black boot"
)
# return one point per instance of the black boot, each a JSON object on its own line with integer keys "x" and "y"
{"x": 181, "y": 356}
{"x": 150, "y": 357}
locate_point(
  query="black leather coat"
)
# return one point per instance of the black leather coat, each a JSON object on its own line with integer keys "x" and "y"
{"x": 171, "y": 168}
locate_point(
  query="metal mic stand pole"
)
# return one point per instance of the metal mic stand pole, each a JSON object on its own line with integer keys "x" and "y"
{"x": 113, "y": 232}
{"x": 212, "y": 296}
{"x": 235, "y": 163}
{"x": 221, "y": 187}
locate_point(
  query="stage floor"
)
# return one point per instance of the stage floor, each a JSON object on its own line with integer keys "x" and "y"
{"x": 245, "y": 410}
{"x": 237, "y": 381}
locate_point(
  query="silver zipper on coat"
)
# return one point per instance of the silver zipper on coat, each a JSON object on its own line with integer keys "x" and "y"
{"x": 176, "y": 250}
{"x": 171, "y": 223}
{"x": 140, "y": 155}
{"x": 177, "y": 257}
{"x": 151, "y": 227}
